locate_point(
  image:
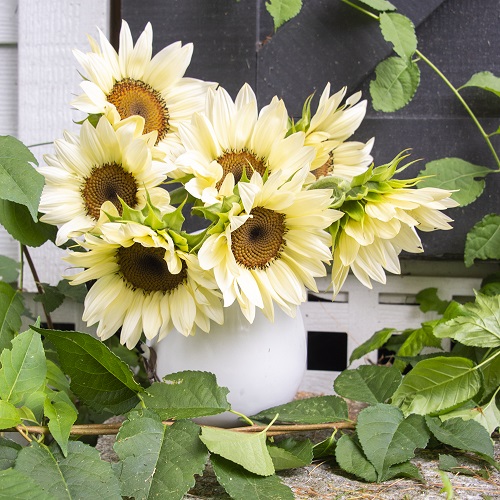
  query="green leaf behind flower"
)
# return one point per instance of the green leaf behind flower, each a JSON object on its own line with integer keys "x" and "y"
{"x": 483, "y": 240}
{"x": 9, "y": 269}
{"x": 11, "y": 308}
{"x": 376, "y": 341}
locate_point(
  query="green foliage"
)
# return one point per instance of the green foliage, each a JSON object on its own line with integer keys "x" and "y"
{"x": 62, "y": 414}
{"x": 187, "y": 394}
{"x": 8, "y": 453}
{"x": 11, "y": 309}
{"x": 19, "y": 486}
{"x": 314, "y": 410}
{"x": 379, "y": 5}
{"x": 350, "y": 457}
{"x": 290, "y": 453}
{"x": 429, "y": 300}
{"x": 395, "y": 84}
{"x": 51, "y": 297}
{"x": 486, "y": 81}
{"x": 400, "y": 31}
{"x": 376, "y": 341}
{"x": 9, "y": 416}
{"x": 9, "y": 269}
{"x": 483, "y": 240}
{"x": 454, "y": 174}
{"x": 283, "y": 10}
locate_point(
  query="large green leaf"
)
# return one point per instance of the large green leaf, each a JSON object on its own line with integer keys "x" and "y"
{"x": 478, "y": 326}
{"x": 395, "y": 84}
{"x": 187, "y": 394}
{"x": 283, "y": 10}
{"x": 486, "y": 81}
{"x": 246, "y": 449}
{"x": 23, "y": 368}
{"x": 455, "y": 174}
{"x": 11, "y": 308}
{"x": 158, "y": 461}
{"x": 82, "y": 474}
{"x": 19, "y": 181}
{"x": 387, "y": 438}
{"x": 9, "y": 269}
{"x": 368, "y": 383}
{"x": 243, "y": 485}
{"x": 17, "y": 220}
{"x": 377, "y": 340}
{"x": 437, "y": 384}
{"x": 9, "y": 417}
{"x": 466, "y": 435}
{"x": 400, "y": 31}
{"x": 291, "y": 453}
{"x": 483, "y": 240}
{"x": 16, "y": 485}
{"x": 62, "y": 414}
{"x": 316, "y": 410}
{"x": 351, "y": 458}
{"x": 97, "y": 375}
{"x": 8, "y": 453}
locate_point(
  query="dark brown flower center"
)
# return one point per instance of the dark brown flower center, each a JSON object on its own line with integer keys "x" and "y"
{"x": 145, "y": 268}
{"x": 260, "y": 240}
{"x": 235, "y": 162}
{"x": 133, "y": 97}
{"x": 108, "y": 182}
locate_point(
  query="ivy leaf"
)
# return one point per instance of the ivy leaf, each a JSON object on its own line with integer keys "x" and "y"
{"x": 62, "y": 414}
{"x": 376, "y": 341}
{"x": 52, "y": 298}
{"x": 9, "y": 417}
{"x": 325, "y": 448}
{"x": 11, "y": 308}
{"x": 246, "y": 449}
{"x": 395, "y": 84}
{"x": 290, "y": 453}
{"x": 483, "y": 240}
{"x": 158, "y": 461}
{"x": 350, "y": 458}
{"x": 467, "y": 435}
{"x": 19, "y": 486}
{"x": 19, "y": 181}
{"x": 387, "y": 438}
{"x": 478, "y": 326}
{"x": 187, "y": 394}
{"x": 23, "y": 368}
{"x": 437, "y": 384}
{"x": 241, "y": 484}
{"x": 400, "y": 31}
{"x": 428, "y": 300}
{"x": 17, "y": 220}
{"x": 486, "y": 81}
{"x": 9, "y": 269}
{"x": 455, "y": 174}
{"x": 371, "y": 384}
{"x": 283, "y": 10}
{"x": 8, "y": 453}
{"x": 82, "y": 474}
{"x": 97, "y": 375}
{"x": 316, "y": 410}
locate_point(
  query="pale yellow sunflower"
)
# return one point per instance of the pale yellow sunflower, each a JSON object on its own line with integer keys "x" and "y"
{"x": 102, "y": 164}
{"x": 143, "y": 284}
{"x": 232, "y": 138}
{"x": 273, "y": 244}
{"x": 134, "y": 82}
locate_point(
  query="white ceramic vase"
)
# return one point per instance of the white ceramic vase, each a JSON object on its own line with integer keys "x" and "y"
{"x": 262, "y": 363}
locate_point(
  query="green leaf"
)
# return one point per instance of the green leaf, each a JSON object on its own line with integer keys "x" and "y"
{"x": 62, "y": 414}
{"x": 243, "y": 485}
{"x": 283, "y": 10}
{"x": 75, "y": 292}
{"x": 97, "y": 375}
{"x": 23, "y": 368}
{"x": 325, "y": 448}
{"x": 187, "y": 394}
{"x": 486, "y": 81}
{"x": 437, "y": 384}
{"x": 379, "y": 5}
{"x": 56, "y": 378}
{"x": 491, "y": 376}
{"x": 428, "y": 300}
{"x": 395, "y": 84}
{"x": 483, "y": 240}
{"x": 455, "y": 174}
{"x": 11, "y": 309}
{"x": 17, "y": 220}
{"x": 8, "y": 453}
{"x": 449, "y": 463}
{"x": 82, "y": 474}
{"x": 9, "y": 269}
{"x": 467, "y": 435}
{"x": 290, "y": 453}
{"x": 158, "y": 461}
{"x": 19, "y": 181}
{"x": 19, "y": 486}
{"x": 376, "y": 341}
{"x": 371, "y": 384}
{"x": 479, "y": 326}
{"x": 246, "y": 449}
{"x": 316, "y": 410}
{"x": 400, "y": 31}
{"x": 9, "y": 417}
{"x": 52, "y": 298}
{"x": 387, "y": 438}
{"x": 406, "y": 469}
{"x": 350, "y": 458}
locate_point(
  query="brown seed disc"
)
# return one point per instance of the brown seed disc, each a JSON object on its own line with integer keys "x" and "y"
{"x": 236, "y": 162}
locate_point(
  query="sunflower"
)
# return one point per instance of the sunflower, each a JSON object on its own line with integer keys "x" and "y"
{"x": 102, "y": 164}
{"x": 273, "y": 244}
{"x": 132, "y": 82}
{"x": 232, "y": 138}
{"x": 143, "y": 284}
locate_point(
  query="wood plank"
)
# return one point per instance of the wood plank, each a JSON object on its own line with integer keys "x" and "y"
{"x": 8, "y": 22}
{"x": 8, "y": 90}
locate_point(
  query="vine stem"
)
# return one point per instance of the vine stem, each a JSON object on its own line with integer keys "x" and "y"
{"x": 487, "y": 360}
{"x": 38, "y": 284}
